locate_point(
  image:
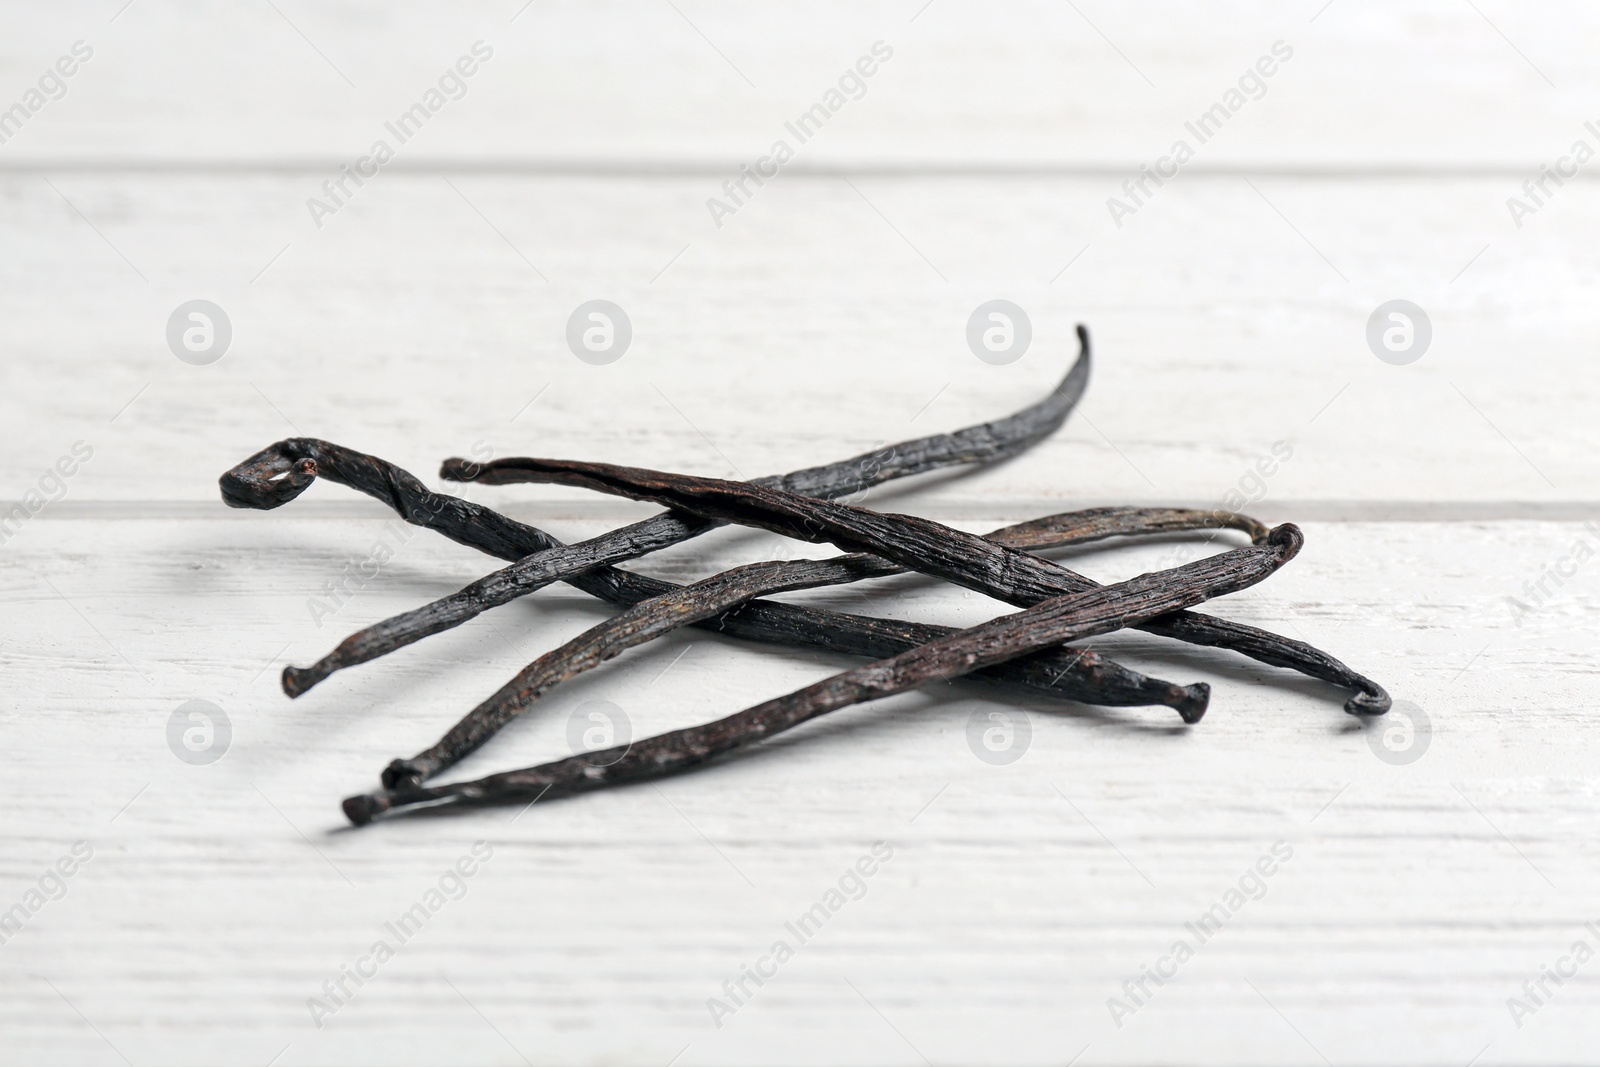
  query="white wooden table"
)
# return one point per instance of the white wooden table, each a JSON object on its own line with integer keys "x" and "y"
{"x": 426, "y": 317}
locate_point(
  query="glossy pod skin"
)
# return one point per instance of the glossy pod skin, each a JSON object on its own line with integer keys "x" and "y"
{"x": 917, "y": 543}
{"x": 713, "y": 596}
{"x": 1100, "y": 610}
{"x": 248, "y": 485}
{"x": 282, "y": 471}
{"x": 1022, "y": 650}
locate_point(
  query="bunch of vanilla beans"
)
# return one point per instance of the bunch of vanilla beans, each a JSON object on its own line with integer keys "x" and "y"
{"x": 1027, "y": 650}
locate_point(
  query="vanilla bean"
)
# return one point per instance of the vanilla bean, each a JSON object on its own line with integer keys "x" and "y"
{"x": 1095, "y": 524}
{"x": 1067, "y": 618}
{"x": 917, "y": 543}
{"x": 639, "y": 624}
{"x": 1089, "y": 679}
{"x": 508, "y": 584}
{"x": 281, "y": 472}
{"x": 272, "y": 477}
{"x": 702, "y": 600}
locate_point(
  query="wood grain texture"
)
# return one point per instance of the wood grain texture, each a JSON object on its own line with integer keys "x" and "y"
{"x": 426, "y": 319}
{"x": 1004, "y": 905}
{"x": 630, "y": 83}
{"x": 407, "y": 327}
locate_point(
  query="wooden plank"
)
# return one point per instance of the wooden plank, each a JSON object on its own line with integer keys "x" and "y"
{"x": 639, "y": 84}
{"x": 1018, "y": 898}
{"x": 821, "y": 321}
{"x": 1012, "y": 923}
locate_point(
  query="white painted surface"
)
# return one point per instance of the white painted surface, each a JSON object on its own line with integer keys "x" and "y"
{"x": 422, "y": 319}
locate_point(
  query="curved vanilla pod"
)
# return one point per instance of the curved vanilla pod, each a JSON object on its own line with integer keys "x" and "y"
{"x": 278, "y": 474}
{"x": 1100, "y": 610}
{"x": 918, "y": 544}
{"x": 1096, "y": 524}
{"x": 706, "y": 599}
{"x": 1089, "y": 678}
